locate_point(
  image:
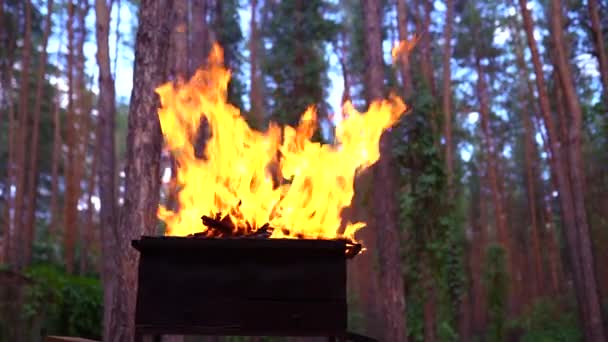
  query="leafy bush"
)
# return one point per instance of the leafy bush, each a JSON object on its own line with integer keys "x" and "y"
{"x": 62, "y": 303}
{"x": 549, "y": 322}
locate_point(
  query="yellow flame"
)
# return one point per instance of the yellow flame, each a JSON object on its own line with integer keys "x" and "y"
{"x": 279, "y": 177}
{"x": 404, "y": 47}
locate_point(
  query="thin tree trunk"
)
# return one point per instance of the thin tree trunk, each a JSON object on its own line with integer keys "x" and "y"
{"x": 495, "y": 182}
{"x": 446, "y": 102}
{"x": 56, "y": 159}
{"x": 530, "y": 157}
{"x": 406, "y": 73}
{"x": 10, "y": 202}
{"x": 491, "y": 157}
{"x": 479, "y": 245}
{"x": 18, "y": 243}
{"x": 116, "y": 34}
{"x": 179, "y": 41}
{"x": 199, "y": 39}
{"x": 138, "y": 214}
{"x": 88, "y": 227}
{"x": 33, "y": 148}
{"x": 557, "y": 162}
{"x": 257, "y": 102}
{"x": 598, "y": 43}
{"x": 341, "y": 50}
{"x": 423, "y": 22}
{"x": 70, "y": 202}
{"x": 115, "y": 311}
{"x": 594, "y": 329}
{"x": 388, "y": 243}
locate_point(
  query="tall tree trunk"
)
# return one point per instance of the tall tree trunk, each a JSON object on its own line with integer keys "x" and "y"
{"x": 479, "y": 245}
{"x": 594, "y": 329}
{"x": 142, "y": 185}
{"x": 341, "y": 50}
{"x": 446, "y": 100}
{"x": 115, "y": 311}
{"x": 89, "y": 226}
{"x": 423, "y": 22}
{"x": 18, "y": 243}
{"x": 531, "y": 174}
{"x": 406, "y": 73}
{"x": 6, "y": 79}
{"x": 598, "y": 43}
{"x": 30, "y": 217}
{"x": 71, "y": 197}
{"x": 557, "y": 161}
{"x": 56, "y": 160}
{"x": 391, "y": 281}
{"x": 255, "y": 97}
{"x": 179, "y": 41}
{"x": 491, "y": 157}
{"x": 199, "y": 39}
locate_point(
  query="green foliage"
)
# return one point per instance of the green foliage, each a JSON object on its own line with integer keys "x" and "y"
{"x": 431, "y": 220}
{"x": 294, "y": 64}
{"x": 548, "y": 322}
{"x": 495, "y": 279}
{"x": 65, "y": 304}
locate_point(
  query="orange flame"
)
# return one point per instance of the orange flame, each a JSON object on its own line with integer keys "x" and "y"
{"x": 279, "y": 177}
{"x": 404, "y": 47}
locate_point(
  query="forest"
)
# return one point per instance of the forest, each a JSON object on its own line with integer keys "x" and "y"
{"x": 486, "y": 211}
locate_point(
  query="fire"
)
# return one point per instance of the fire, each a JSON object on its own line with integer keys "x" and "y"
{"x": 278, "y": 178}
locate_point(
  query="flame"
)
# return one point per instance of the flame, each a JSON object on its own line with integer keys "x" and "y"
{"x": 404, "y": 47}
{"x": 278, "y": 177}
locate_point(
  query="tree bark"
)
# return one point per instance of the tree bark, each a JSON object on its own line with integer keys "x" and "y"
{"x": 255, "y": 97}
{"x": 531, "y": 174}
{"x": 405, "y": 68}
{"x": 598, "y": 43}
{"x": 115, "y": 312}
{"x": 199, "y": 39}
{"x": 446, "y": 100}
{"x": 142, "y": 185}
{"x": 6, "y": 79}
{"x": 423, "y": 22}
{"x": 491, "y": 158}
{"x": 341, "y": 50}
{"x": 71, "y": 197}
{"x": 18, "y": 243}
{"x": 56, "y": 159}
{"x": 30, "y": 215}
{"x": 594, "y": 329}
{"x": 89, "y": 225}
{"x": 391, "y": 281}
{"x": 179, "y": 41}
{"x": 556, "y": 160}
{"x": 477, "y": 245}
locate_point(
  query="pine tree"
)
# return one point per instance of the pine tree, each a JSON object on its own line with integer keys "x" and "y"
{"x": 294, "y": 65}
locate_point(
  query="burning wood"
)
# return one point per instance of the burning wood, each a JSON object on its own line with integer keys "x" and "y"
{"x": 223, "y": 227}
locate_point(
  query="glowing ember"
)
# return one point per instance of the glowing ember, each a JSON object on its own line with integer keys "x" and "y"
{"x": 254, "y": 179}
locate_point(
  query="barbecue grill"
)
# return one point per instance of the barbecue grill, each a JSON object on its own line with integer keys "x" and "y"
{"x": 242, "y": 287}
